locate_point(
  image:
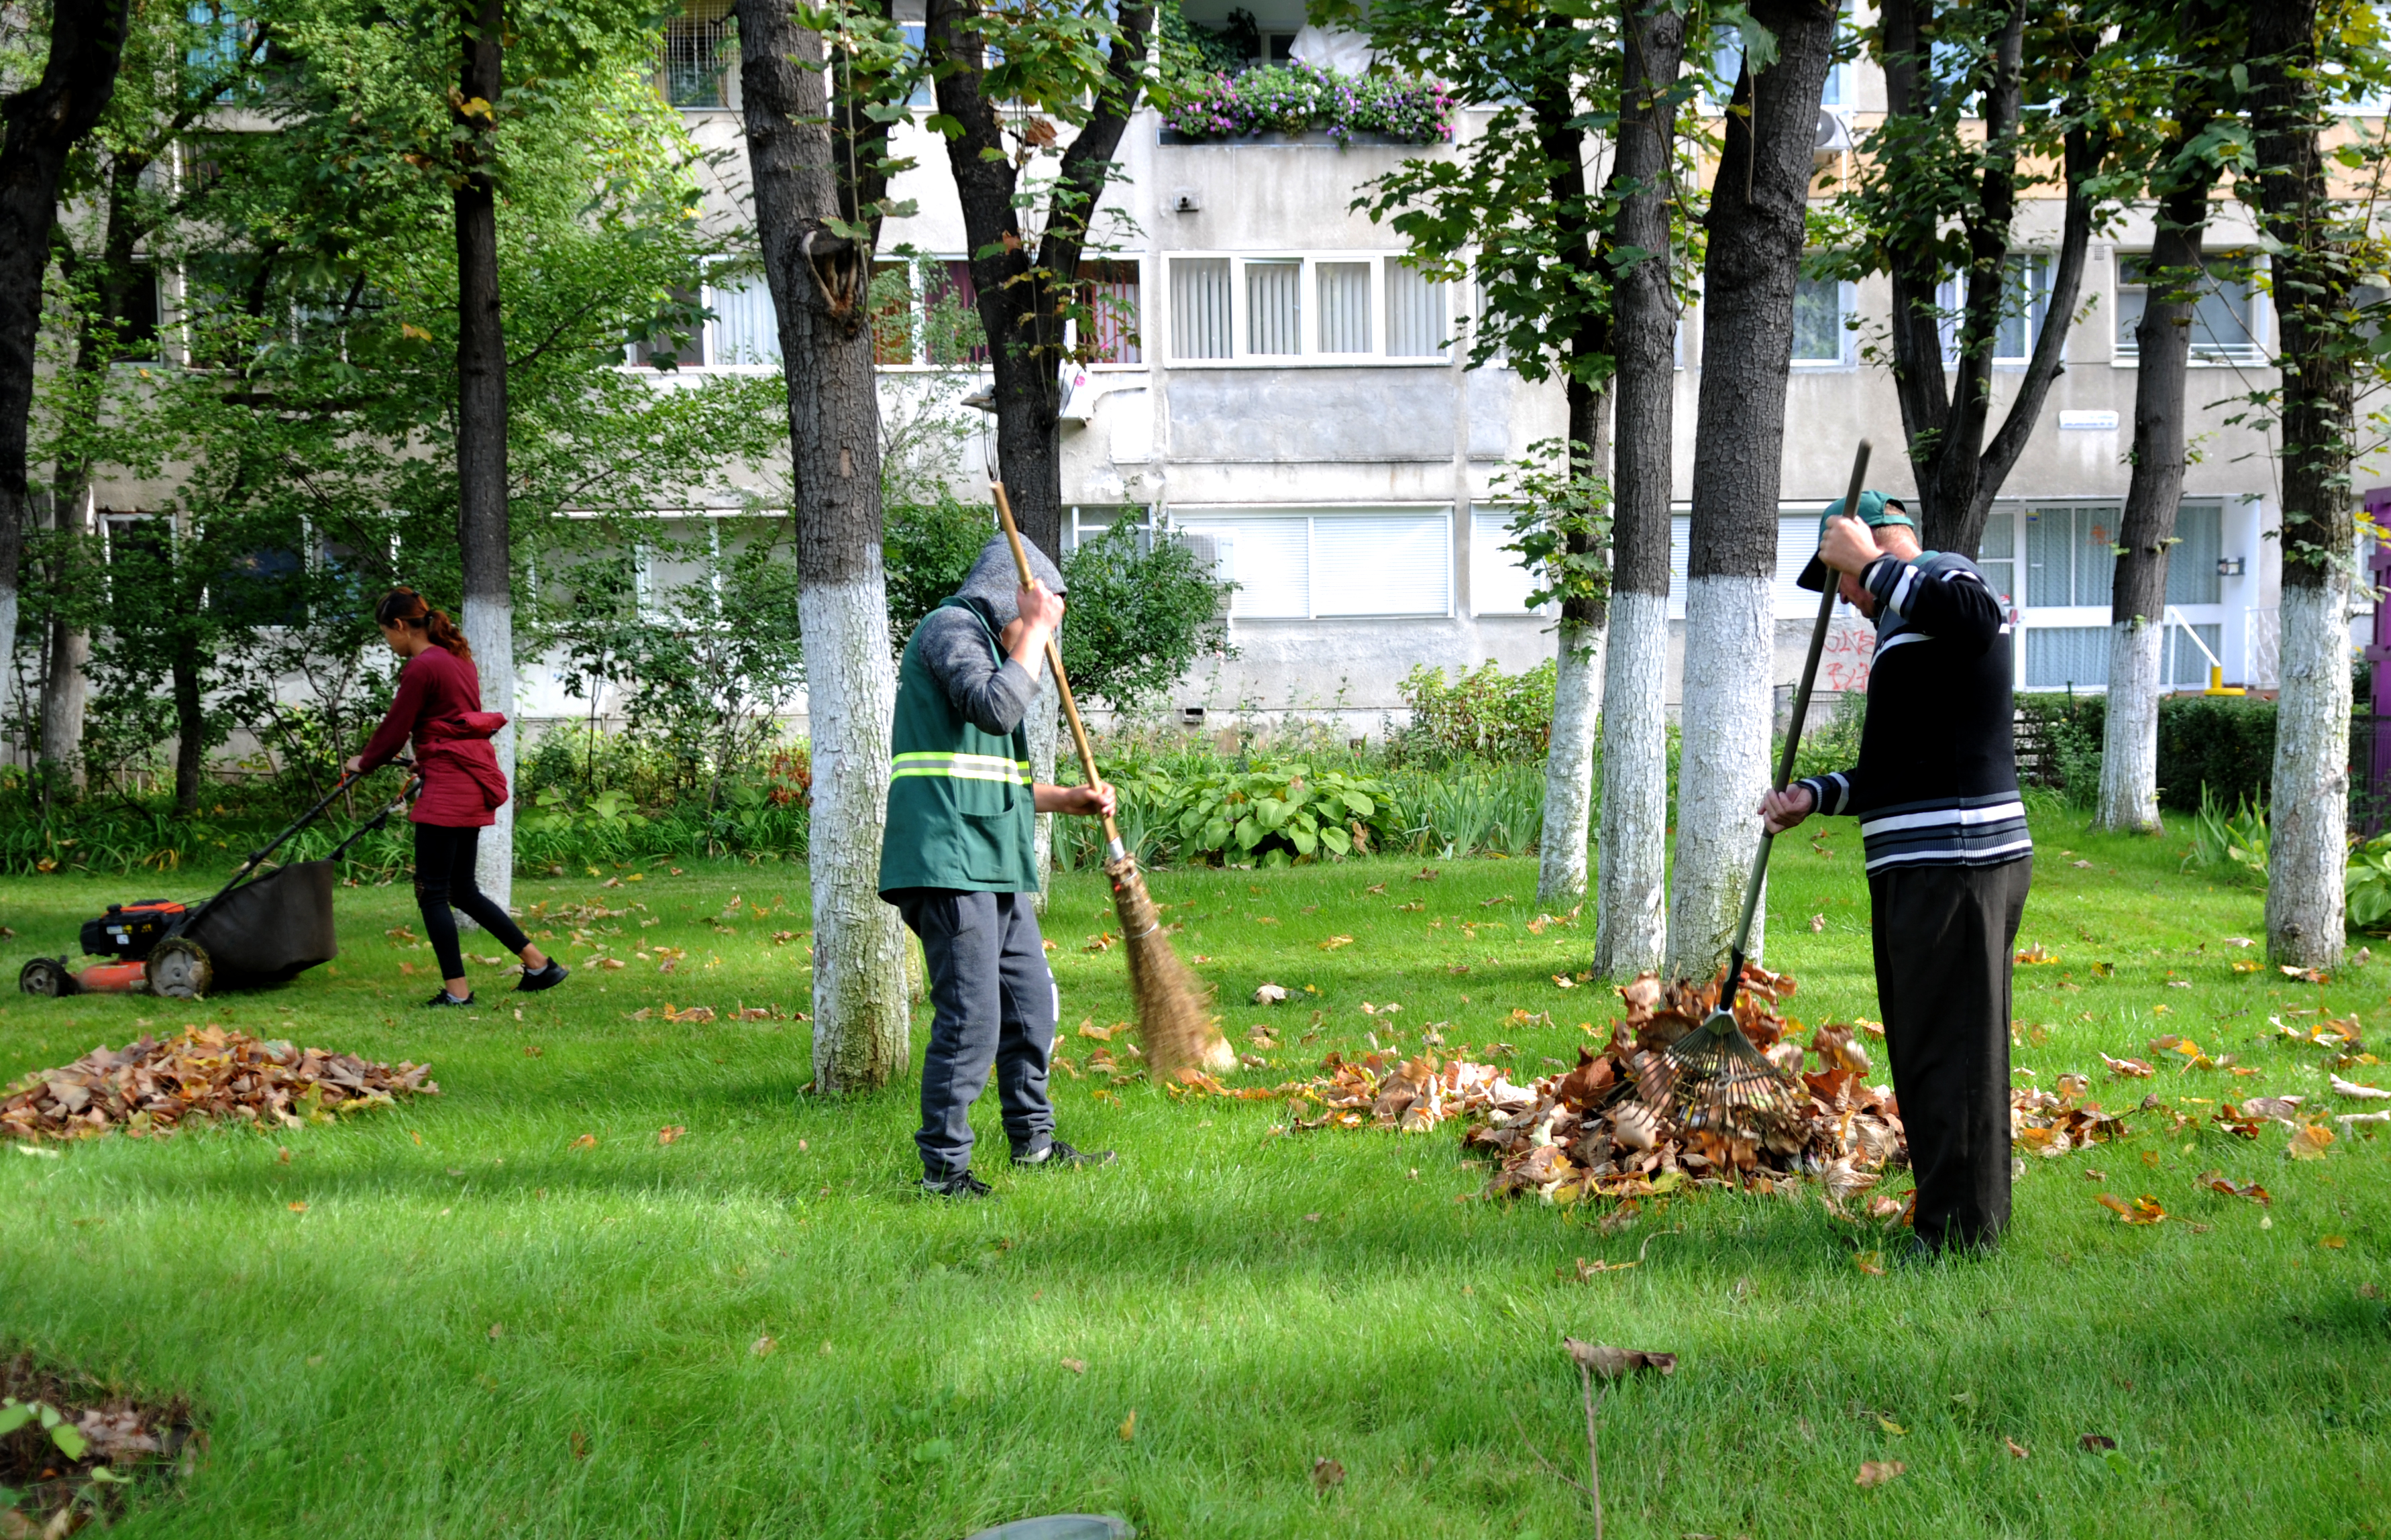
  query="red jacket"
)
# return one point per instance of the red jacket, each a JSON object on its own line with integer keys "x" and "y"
{"x": 438, "y": 696}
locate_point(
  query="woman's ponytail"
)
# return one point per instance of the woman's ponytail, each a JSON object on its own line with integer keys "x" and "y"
{"x": 406, "y": 607}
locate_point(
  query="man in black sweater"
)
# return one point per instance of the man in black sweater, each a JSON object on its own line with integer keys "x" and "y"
{"x": 1949, "y": 858}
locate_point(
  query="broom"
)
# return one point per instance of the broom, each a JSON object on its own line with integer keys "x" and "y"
{"x": 1726, "y": 1082}
{"x": 1177, "y": 1029}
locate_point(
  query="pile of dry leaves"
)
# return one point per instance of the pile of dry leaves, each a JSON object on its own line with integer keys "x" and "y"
{"x": 150, "y": 1088}
{"x": 72, "y": 1449}
{"x": 1609, "y": 1126}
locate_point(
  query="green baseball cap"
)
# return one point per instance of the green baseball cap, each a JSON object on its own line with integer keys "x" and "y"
{"x": 1873, "y": 511}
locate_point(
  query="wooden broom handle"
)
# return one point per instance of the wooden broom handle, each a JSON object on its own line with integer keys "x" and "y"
{"x": 1055, "y": 662}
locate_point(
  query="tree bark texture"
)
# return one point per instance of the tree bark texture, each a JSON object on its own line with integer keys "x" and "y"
{"x": 2129, "y": 758}
{"x": 2308, "y": 852}
{"x": 1577, "y": 682}
{"x": 484, "y": 538}
{"x": 1755, "y": 224}
{"x": 1630, "y": 897}
{"x": 820, "y": 283}
{"x": 1024, "y": 282}
{"x": 1946, "y": 407}
{"x": 66, "y": 681}
{"x": 43, "y": 121}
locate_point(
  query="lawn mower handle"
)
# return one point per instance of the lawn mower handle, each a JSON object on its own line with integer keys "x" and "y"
{"x": 258, "y": 858}
{"x": 1792, "y": 748}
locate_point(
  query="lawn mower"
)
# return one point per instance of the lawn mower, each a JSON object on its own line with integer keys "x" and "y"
{"x": 258, "y": 929}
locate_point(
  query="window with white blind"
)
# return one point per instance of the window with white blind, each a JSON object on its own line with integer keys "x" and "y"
{"x": 745, "y": 330}
{"x": 2026, "y": 295}
{"x": 1326, "y": 308}
{"x": 1500, "y": 580}
{"x": 2225, "y": 322}
{"x": 1298, "y": 564}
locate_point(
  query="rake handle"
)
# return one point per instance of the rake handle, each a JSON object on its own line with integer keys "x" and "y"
{"x": 1055, "y": 662}
{"x": 1792, "y": 746}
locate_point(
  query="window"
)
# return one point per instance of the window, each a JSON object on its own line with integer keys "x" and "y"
{"x": 1416, "y": 323}
{"x": 221, "y": 43}
{"x": 2025, "y": 297}
{"x": 1200, "y": 308}
{"x": 1999, "y": 561}
{"x": 135, "y": 316}
{"x": 265, "y": 586}
{"x": 2191, "y": 564}
{"x": 2059, "y": 657}
{"x": 1301, "y": 564}
{"x": 2224, "y": 316}
{"x": 1111, "y": 295}
{"x": 1274, "y": 307}
{"x": 1333, "y": 308}
{"x": 696, "y": 42}
{"x": 2071, "y": 557}
{"x": 676, "y": 337}
{"x": 1500, "y": 580}
{"x": 1726, "y": 66}
{"x": 746, "y": 328}
{"x": 1820, "y": 306}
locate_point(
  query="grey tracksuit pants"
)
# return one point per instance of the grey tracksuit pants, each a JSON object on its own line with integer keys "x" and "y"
{"x": 994, "y": 1005}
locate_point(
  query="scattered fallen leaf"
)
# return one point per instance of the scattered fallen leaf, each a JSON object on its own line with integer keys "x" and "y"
{"x": 298, "y": 1208}
{"x": 1326, "y": 1474}
{"x": 1128, "y": 1426}
{"x": 2132, "y": 1068}
{"x": 2096, "y": 1442}
{"x": 2144, "y": 1210}
{"x": 668, "y": 1134}
{"x": 1077, "y": 1366}
{"x": 586, "y": 1141}
{"x": 2017, "y": 1451}
{"x": 1333, "y": 943}
{"x": 2308, "y": 1141}
{"x": 763, "y": 1347}
{"x": 1268, "y": 994}
{"x": 1877, "y": 1472}
{"x": 1617, "y": 1363}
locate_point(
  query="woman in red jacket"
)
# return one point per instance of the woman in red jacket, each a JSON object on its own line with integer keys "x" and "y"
{"x": 439, "y": 706}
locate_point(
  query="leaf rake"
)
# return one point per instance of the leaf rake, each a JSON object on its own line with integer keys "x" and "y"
{"x": 1722, "y": 1081}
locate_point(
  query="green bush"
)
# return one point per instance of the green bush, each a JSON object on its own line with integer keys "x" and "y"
{"x": 1495, "y": 810}
{"x": 1484, "y": 714}
{"x": 2232, "y": 845}
{"x": 1200, "y": 809}
{"x": 2368, "y": 884}
{"x": 2223, "y": 743}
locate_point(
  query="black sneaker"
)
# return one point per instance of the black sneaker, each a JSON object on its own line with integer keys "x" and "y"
{"x": 445, "y": 1001}
{"x": 549, "y": 977}
{"x": 961, "y": 1185}
{"x": 1057, "y": 1153}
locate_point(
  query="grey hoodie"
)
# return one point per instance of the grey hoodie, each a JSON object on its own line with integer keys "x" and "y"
{"x": 952, "y": 646}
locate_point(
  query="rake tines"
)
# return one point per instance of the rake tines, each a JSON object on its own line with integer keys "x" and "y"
{"x": 1724, "y": 1083}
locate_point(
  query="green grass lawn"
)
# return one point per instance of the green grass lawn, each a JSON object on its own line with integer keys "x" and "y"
{"x": 478, "y": 1326}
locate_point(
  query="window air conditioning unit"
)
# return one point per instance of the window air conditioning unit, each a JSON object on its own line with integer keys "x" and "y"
{"x": 1834, "y": 132}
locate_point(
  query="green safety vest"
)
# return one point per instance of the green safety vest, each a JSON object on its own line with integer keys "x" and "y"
{"x": 960, "y": 809}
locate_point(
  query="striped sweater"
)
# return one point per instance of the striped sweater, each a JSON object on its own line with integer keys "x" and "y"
{"x": 1936, "y": 784}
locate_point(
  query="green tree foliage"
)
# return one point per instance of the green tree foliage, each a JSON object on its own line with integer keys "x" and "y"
{"x": 1138, "y": 621}
{"x": 926, "y": 550}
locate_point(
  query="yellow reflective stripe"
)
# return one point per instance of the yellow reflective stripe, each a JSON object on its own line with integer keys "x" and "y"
{"x": 962, "y": 767}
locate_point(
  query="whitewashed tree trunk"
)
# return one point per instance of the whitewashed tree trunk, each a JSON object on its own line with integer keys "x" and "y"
{"x": 861, "y": 1021}
{"x": 2308, "y": 849}
{"x": 65, "y": 693}
{"x": 1569, "y": 769}
{"x": 2129, "y": 745}
{"x": 1730, "y": 632}
{"x": 8, "y": 662}
{"x": 1632, "y": 896}
{"x": 1045, "y": 728}
{"x": 490, "y": 631}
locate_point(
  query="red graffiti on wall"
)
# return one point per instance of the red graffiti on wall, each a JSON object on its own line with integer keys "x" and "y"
{"x": 1851, "y": 649}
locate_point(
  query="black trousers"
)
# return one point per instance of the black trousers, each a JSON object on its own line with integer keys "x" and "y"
{"x": 994, "y": 1006}
{"x": 443, "y": 878}
{"x": 1943, "y": 939}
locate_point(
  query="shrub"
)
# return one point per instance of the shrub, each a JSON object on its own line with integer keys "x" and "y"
{"x": 1198, "y": 808}
{"x": 1484, "y": 714}
{"x": 1498, "y": 810}
{"x": 2234, "y": 845}
{"x": 2225, "y": 744}
{"x": 2368, "y": 884}
{"x": 1138, "y": 622}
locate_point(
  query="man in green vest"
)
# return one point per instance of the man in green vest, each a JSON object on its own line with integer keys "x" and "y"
{"x": 957, "y": 857}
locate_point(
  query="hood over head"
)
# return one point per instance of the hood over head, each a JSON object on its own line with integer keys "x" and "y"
{"x": 995, "y": 582}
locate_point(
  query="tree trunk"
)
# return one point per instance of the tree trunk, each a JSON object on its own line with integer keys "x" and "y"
{"x": 483, "y": 535}
{"x": 2307, "y": 854}
{"x": 43, "y": 123}
{"x": 2129, "y": 755}
{"x": 819, "y": 282}
{"x": 65, "y": 681}
{"x": 190, "y": 722}
{"x": 1755, "y": 224}
{"x": 1045, "y": 724}
{"x": 1577, "y": 688}
{"x": 1631, "y": 898}
{"x": 1026, "y": 282}
{"x": 1946, "y": 408}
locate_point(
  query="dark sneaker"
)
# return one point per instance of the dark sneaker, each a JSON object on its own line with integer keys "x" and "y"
{"x": 549, "y": 977}
{"x": 445, "y": 1001}
{"x": 1060, "y": 1154}
{"x": 960, "y": 1185}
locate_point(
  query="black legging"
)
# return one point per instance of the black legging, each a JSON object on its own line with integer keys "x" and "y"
{"x": 444, "y": 876}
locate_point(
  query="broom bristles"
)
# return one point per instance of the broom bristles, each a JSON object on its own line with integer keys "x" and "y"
{"x": 1173, "y": 1019}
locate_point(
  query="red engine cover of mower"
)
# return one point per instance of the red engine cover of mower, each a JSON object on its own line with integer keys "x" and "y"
{"x": 130, "y": 930}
